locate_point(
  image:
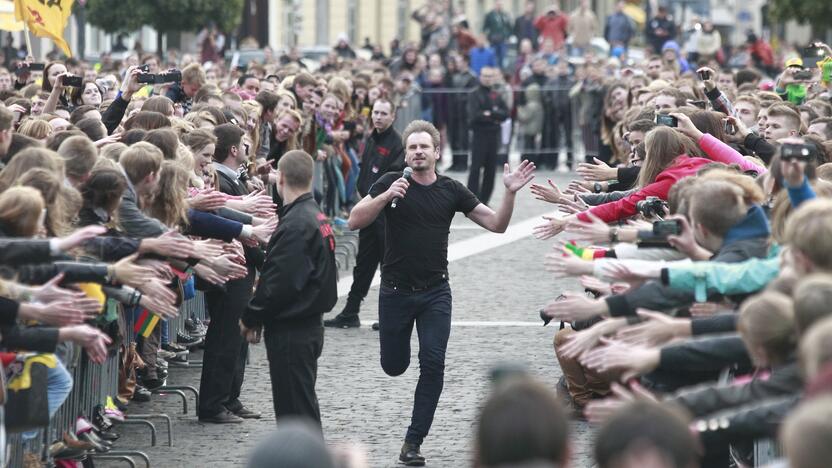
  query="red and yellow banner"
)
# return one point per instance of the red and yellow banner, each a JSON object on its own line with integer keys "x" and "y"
{"x": 46, "y": 18}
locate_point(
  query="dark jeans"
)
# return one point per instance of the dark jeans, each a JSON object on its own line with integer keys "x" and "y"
{"x": 224, "y": 360}
{"x": 484, "y": 146}
{"x": 293, "y": 366}
{"x": 431, "y": 311}
{"x": 370, "y": 254}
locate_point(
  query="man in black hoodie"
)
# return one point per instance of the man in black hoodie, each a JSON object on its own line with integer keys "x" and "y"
{"x": 297, "y": 286}
{"x": 383, "y": 153}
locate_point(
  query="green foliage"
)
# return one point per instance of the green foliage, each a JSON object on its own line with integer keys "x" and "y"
{"x": 164, "y": 15}
{"x": 817, "y": 13}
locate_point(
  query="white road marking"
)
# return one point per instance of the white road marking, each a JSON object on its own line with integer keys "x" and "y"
{"x": 464, "y": 248}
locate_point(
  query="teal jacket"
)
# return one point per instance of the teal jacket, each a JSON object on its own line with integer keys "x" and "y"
{"x": 706, "y": 279}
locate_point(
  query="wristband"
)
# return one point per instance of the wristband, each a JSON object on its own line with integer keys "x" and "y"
{"x": 613, "y": 235}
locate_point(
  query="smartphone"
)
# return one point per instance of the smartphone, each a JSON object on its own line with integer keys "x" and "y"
{"x": 812, "y": 55}
{"x": 37, "y": 66}
{"x": 730, "y": 127}
{"x": 804, "y": 75}
{"x": 704, "y": 74}
{"x": 792, "y": 151}
{"x": 73, "y": 81}
{"x": 667, "y": 120}
{"x": 670, "y": 227}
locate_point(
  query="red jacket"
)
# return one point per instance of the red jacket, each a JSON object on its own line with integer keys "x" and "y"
{"x": 552, "y": 27}
{"x": 683, "y": 166}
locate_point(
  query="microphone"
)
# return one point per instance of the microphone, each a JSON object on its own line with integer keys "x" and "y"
{"x": 408, "y": 171}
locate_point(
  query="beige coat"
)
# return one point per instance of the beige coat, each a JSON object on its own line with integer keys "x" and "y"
{"x": 583, "y": 26}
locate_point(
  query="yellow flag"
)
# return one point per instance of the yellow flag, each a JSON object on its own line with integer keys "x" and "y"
{"x": 46, "y": 18}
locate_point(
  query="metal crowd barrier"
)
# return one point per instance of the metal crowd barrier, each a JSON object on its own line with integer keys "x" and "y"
{"x": 92, "y": 384}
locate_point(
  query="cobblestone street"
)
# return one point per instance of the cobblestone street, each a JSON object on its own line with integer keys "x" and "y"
{"x": 498, "y": 289}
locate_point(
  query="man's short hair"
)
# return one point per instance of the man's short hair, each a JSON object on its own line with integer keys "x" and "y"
{"x": 747, "y": 75}
{"x": 194, "y": 74}
{"x": 646, "y": 427}
{"x": 716, "y": 193}
{"x": 80, "y": 154}
{"x": 642, "y": 125}
{"x": 268, "y": 100}
{"x": 809, "y": 231}
{"x": 816, "y": 347}
{"x": 827, "y": 133}
{"x": 140, "y": 160}
{"x": 228, "y": 136}
{"x": 784, "y": 110}
{"x": 521, "y": 421}
{"x": 812, "y": 298}
{"x": 388, "y": 101}
{"x": 304, "y": 79}
{"x": 806, "y": 433}
{"x": 79, "y": 113}
{"x": 418, "y": 126}
{"x": 749, "y": 99}
{"x": 296, "y": 167}
{"x": 678, "y": 96}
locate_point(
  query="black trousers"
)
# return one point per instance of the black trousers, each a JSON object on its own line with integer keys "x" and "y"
{"x": 293, "y": 367}
{"x": 484, "y": 146}
{"x": 370, "y": 254}
{"x": 430, "y": 311}
{"x": 529, "y": 149}
{"x": 224, "y": 360}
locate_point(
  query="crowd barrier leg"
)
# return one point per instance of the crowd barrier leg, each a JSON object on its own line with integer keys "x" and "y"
{"x": 165, "y": 390}
{"x": 142, "y": 422}
{"x": 124, "y": 458}
{"x": 179, "y": 390}
{"x": 167, "y": 419}
{"x": 122, "y": 454}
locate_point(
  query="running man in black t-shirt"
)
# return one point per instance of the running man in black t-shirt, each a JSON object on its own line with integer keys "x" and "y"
{"x": 414, "y": 273}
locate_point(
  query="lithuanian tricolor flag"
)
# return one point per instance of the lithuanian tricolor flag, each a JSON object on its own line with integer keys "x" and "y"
{"x": 146, "y": 323}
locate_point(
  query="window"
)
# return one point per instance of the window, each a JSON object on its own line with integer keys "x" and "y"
{"x": 403, "y": 16}
{"x": 322, "y": 22}
{"x": 352, "y": 21}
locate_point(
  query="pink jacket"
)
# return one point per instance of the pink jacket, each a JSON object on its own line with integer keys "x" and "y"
{"x": 683, "y": 166}
{"x": 721, "y": 152}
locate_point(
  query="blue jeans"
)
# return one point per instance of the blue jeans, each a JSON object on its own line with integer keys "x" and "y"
{"x": 499, "y": 53}
{"x": 58, "y": 387}
{"x": 430, "y": 310}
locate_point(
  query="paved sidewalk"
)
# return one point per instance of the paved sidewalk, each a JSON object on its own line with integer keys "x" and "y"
{"x": 361, "y": 405}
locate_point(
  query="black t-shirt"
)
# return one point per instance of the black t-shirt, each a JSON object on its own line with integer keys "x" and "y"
{"x": 416, "y": 231}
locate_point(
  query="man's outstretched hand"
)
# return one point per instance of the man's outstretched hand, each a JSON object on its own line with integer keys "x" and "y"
{"x": 515, "y": 180}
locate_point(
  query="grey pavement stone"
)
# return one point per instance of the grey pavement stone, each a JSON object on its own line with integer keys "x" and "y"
{"x": 362, "y": 405}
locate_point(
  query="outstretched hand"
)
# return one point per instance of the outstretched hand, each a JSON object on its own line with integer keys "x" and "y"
{"x": 517, "y": 179}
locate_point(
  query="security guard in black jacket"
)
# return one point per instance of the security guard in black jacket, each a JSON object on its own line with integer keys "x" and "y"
{"x": 486, "y": 112}
{"x": 297, "y": 286}
{"x": 383, "y": 153}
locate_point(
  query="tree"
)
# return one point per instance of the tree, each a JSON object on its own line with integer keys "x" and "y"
{"x": 165, "y": 16}
{"x": 817, "y": 13}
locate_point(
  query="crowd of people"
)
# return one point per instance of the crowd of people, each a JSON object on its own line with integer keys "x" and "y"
{"x": 697, "y": 226}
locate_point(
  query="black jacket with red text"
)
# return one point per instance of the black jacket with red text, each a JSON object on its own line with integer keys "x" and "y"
{"x": 298, "y": 280}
